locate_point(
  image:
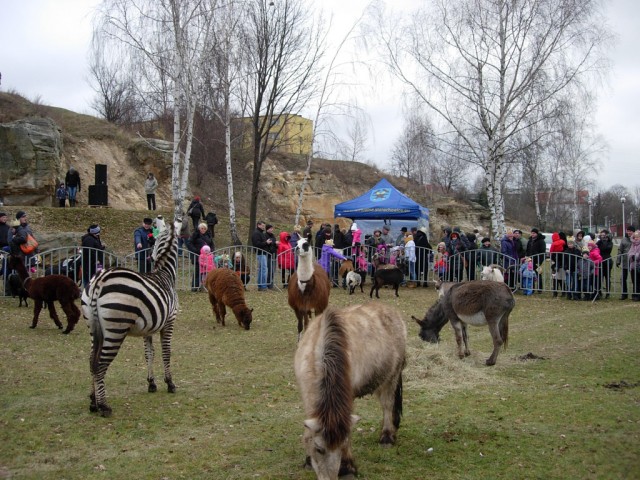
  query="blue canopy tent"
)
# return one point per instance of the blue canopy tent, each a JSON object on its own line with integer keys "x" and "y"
{"x": 383, "y": 202}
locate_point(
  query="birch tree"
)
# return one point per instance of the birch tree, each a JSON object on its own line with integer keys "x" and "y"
{"x": 172, "y": 36}
{"x": 485, "y": 66}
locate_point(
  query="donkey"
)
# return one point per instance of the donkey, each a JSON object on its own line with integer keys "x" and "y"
{"x": 344, "y": 354}
{"x": 475, "y": 303}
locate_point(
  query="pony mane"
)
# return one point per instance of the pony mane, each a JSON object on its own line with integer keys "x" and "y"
{"x": 335, "y": 400}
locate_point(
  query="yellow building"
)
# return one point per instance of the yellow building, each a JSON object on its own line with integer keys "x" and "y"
{"x": 288, "y": 134}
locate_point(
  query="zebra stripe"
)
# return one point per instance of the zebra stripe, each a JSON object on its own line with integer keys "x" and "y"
{"x": 120, "y": 302}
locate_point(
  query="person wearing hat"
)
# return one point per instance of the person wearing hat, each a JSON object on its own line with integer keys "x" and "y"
{"x": 196, "y": 212}
{"x": 61, "y": 195}
{"x": 92, "y": 254}
{"x": 622, "y": 259}
{"x": 537, "y": 249}
{"x": 72, "y": 182}
{"x": 23, "y": 231}
{"x": 327, "y": 261}
{"x": 605, "y": 245}
{"x": 486, "y": 254}
{"x": 400, "y": 238}
{"x": 142, "y": 242}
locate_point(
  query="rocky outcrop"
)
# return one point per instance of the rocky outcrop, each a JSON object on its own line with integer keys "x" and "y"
{"x": 30, "y": 152}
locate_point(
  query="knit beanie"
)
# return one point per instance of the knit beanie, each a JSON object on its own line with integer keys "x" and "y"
{"x": 94, "y": 229}
{"x": 20, "y": 214}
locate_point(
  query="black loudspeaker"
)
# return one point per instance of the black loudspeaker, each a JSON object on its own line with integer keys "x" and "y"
{"x": 101, "y": 174}
{"x": 98, "y": 194}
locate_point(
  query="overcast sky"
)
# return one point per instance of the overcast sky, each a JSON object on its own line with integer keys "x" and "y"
{"x": 45, "y": 42}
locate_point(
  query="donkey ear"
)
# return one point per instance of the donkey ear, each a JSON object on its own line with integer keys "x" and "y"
{"x": 418, "y": 321}
{"x": 251, "y": 310}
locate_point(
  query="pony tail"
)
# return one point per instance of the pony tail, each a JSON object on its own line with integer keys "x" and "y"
{"x": 397, "y": 402}
{"x": 504, "y": 331}
{"x": 335, "y": 401}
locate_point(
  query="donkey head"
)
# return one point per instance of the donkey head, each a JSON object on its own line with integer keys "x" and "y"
{"x": 432, "y": 323}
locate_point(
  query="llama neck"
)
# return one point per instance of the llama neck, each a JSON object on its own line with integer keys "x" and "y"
{"x": 305, "y": 268}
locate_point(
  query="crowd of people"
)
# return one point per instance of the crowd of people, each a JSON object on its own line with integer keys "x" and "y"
{"x": 578, "y": 262}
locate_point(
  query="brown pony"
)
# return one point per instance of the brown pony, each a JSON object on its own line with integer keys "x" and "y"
{"x": 49, "y": 289}
{"x": 309, "y": 286}
{"x": 225, "y": 288}
{"x": 475, "y": 303}
{"x": 345, "y": 354}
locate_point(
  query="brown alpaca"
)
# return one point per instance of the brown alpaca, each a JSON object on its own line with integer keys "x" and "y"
{"x": 49, "y": 289}
{"x": 309, "y": 287}
{"x": 225, "y": 288}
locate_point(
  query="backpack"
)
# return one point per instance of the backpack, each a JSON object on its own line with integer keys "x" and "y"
{"x": 29, "y": 246}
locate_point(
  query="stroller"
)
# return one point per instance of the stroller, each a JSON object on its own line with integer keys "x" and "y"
{"x": 71, "y": 267}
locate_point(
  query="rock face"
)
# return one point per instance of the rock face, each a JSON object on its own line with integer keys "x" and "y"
{"x": 33, "y": 160}
{"x": 29, "y": 160}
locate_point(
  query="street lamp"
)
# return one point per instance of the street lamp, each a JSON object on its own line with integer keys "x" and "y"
{"x": 590, "y": 205}
{"x": 624, "y": 229}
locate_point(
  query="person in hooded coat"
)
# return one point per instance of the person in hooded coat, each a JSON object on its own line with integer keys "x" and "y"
{"x": 423, "y": 251}
{"x": 329, "y": 253}
{"x": 286, "y": 258}
{"x": 456, "y": 251}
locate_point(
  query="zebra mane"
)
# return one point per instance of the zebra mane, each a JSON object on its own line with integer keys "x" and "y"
{"x": 165, "y": 249}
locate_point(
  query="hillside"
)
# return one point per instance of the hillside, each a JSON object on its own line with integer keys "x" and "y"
{"x": 87, "y": 141}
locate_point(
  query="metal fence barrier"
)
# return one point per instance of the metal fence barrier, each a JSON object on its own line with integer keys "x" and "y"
{"x": 560, "y": 274}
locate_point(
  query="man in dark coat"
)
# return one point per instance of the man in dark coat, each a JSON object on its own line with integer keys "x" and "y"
{"x": 605, "y": 244}
{"x": 261, "y": 243}
{"x": 195, "y": 211}
{"x": 92, "y": 254}
{"x": 142, "y": 241}
{"x": 536, "y": 249}
{"x": 423, "y": 250}
{"x": 212, "y": 221}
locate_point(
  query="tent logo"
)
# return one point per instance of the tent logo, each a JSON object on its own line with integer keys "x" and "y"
{"x": 380, "y": 194}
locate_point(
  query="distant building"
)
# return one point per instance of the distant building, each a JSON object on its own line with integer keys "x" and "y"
{"x": 289, "y": 133}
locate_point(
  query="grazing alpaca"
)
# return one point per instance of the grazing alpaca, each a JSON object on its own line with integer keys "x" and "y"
{"x": 345, "y": 354}
{"x": 386, "y": 276}
{"x": 474, "y": 303}
{"x": 17, "y": 290}
{"x": 309, "y": 287}
{"x": 355, "y": 279}
{"x": 49, "y": 289}
{"x": 225, "y": 288}
{"x": 493, "y": 272}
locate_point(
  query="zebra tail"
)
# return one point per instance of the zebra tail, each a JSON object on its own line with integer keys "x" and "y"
{"x": 95, "y": 328}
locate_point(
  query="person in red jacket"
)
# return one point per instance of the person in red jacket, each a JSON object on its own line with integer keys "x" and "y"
{"x": 558, "y": 246}
{"x": 286, "y": 258}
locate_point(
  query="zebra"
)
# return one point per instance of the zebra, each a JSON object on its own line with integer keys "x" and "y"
{"x": 120, "y": 302}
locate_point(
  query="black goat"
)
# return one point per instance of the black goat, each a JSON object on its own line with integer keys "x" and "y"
{"x": 17, "y": 289}
{"x": 386, "y": 276}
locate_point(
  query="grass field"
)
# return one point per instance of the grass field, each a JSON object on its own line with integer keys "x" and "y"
{"x": 237, "y": 412}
